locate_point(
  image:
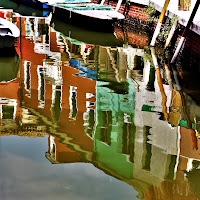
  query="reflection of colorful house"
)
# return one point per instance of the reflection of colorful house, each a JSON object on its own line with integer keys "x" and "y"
{"x": 163, "y": 152}
{"x": 128, "y": 141}
{"x": 143, "y": 151}
{"x": 15, "y": 120}
{"x": 60, "y": 153}
{"x": 51, "y": 88}
{"x": 10, "y": 110}
{"x": 114, "y": 132}
{"x": 101, "y": 121}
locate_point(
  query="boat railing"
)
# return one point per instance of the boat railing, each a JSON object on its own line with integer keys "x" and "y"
{"x": 87, "y": 6}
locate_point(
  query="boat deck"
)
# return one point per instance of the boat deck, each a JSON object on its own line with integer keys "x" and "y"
{"x": 84, "y": 6}
{"x": 92, "y": 10}
{"x": 101, "y": 14}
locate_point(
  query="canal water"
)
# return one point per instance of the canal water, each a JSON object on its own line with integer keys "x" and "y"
{"x": 86, "y": 115}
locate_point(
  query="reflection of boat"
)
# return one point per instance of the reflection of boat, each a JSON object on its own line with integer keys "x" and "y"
{"x": 33, "y": 3}
{"x": 93, "y": 16}
{"x": 22, "y": 9}
{"x": 9, "y": 65}
{"x": 85, "y": 35}
{"x": 8, "y": 33}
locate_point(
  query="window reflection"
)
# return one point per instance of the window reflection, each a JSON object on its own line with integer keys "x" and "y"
{"x": 27, "y": 77}
{"x": 56, "y": 102}
{"x": 73, "y": 102}
{"x": 184, "y": 5}
{"x": 41, "y": 86}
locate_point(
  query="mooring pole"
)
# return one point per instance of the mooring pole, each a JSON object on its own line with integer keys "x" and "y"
{"x": 102, "y": 2}
{"x": 118, "y": 5}
{"x": 158, "y": 27}
{"x": 185, "y": 31}
{"x": 189, "y": 123}
{"x": 160, "y": 84}
{"x": 171, "y": 33}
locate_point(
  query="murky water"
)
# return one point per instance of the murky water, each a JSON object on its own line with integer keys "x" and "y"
{"x": 85, "y": 117}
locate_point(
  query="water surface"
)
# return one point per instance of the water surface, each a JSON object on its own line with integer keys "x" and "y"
{"x": 86, "y": 118}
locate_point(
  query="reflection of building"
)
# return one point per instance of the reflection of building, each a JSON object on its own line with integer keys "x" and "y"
{"x": 60, "y": 153}
{"x": 132, "y": 143}
{"x": 114, "y": 132}
{"x": 52, "y": 88}
{"x": 114, "y": 122}
{"x": 15, "y": 120}
{"x": 184, "y": 4}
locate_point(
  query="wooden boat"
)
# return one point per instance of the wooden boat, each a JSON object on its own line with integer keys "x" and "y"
{"x": 9, "y": 32}
{"x": 9, "y": 64}
{"x": 24, "y": 10}
{"x": 33, "y": 3}
{"x": 88, "y": 15}
{"x": 85, "y": 35}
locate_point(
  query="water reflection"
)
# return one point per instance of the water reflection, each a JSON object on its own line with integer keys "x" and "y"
{"x": 23, "y": 9}
{"x": 107, "y": 106}
{"x": 9, "y": 64}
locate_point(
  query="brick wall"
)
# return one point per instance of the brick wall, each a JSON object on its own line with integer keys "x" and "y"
{"x": 193, "y": 42}
{"x": 135, "y": 10}
{"x": 137, "y": 16}
{"x": 136, "y": 39}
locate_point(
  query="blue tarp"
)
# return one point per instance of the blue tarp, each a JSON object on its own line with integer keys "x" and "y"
{"x": 87, "y": 72}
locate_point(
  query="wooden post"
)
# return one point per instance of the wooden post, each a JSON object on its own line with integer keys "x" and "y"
{"x": 102, "y": 2}
{"x": 118, "y": 5}
{"x": 189, "y": 123}
{"x": 185, "y": 31}
{"x": 158, "y": 27}
{"x": 159, "y": 79}
{"x": 171, "y": 33}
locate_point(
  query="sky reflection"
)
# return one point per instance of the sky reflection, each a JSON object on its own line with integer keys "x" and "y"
{"x": 27, "y": 174}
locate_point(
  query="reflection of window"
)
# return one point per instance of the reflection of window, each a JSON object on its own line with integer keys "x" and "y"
{"x": 30, "y": 27}
{"x": 184, "y": 5}
{"x": 56, "y": 102}
{"x": 147, "y": 150}
{"x": 27, "y": 76}
{"x": 41, "y": 86}
{"x": 105, "y": 122}
{"x": 173, "y": 160}
{"x": 128, "y": 139}
{"x": 89, "y": 122}
{"x": 8, "y": 108}
{"x": 52, "y": 149}
{"x": 139, "y": 62}
{"x": 73, "y": 102}
{"x": 7, "y": 112}
{"x": 150, "y": 84}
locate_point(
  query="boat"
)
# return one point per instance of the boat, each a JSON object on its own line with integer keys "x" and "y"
{"x": 24, "y": 10}
{"x": 9, "y": 65}
{"x": 85, "y": 35}
{"x": 33, "y": 3}
{"x": 9, "y": 32}
{"x": 84, "y": 13}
